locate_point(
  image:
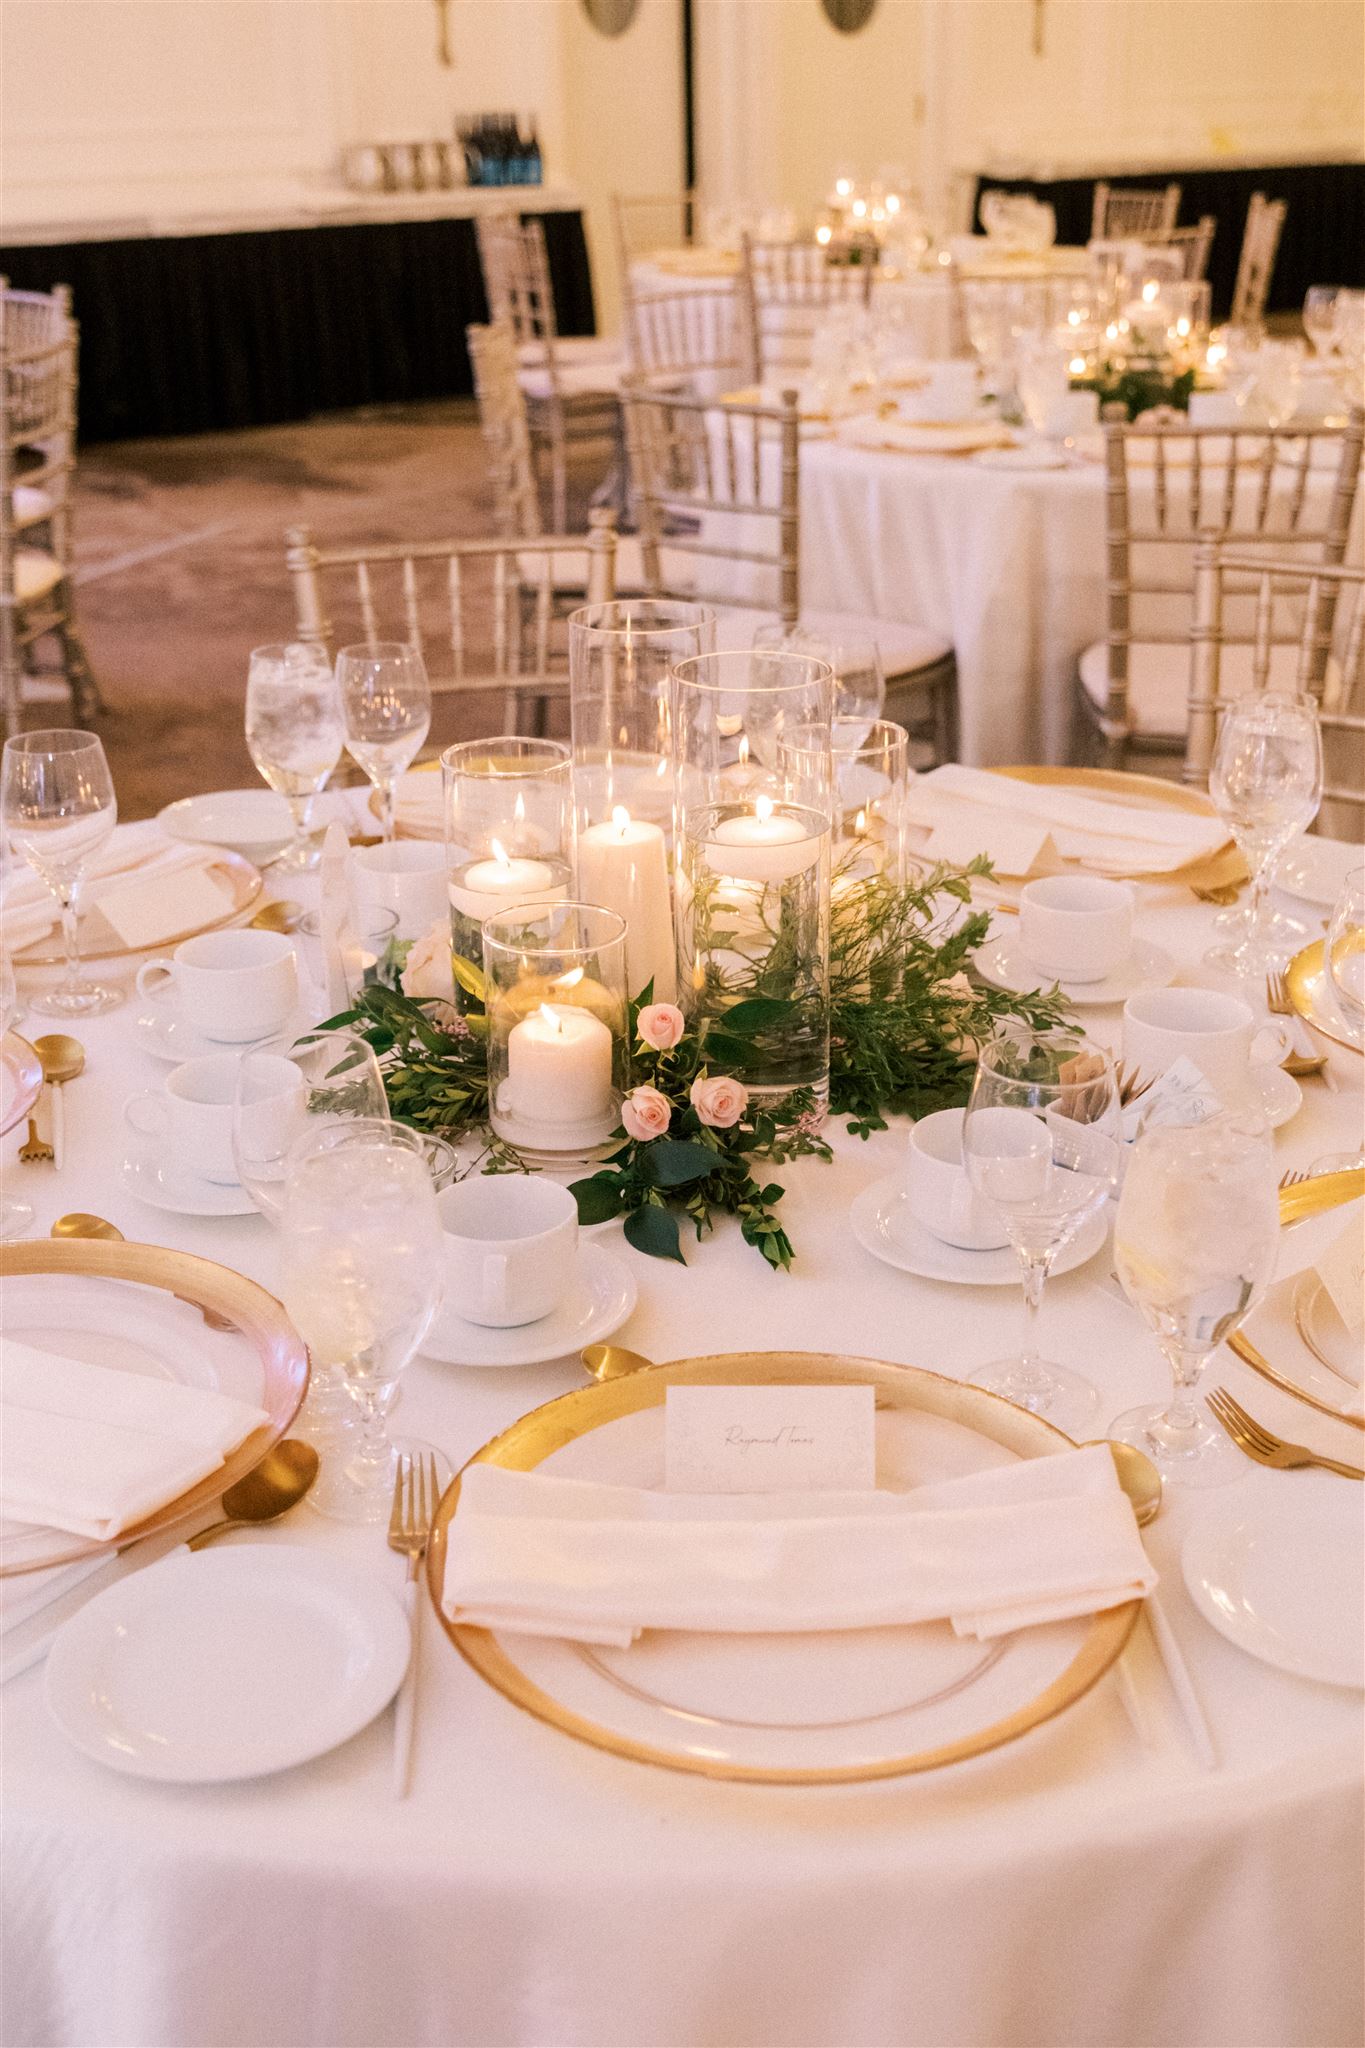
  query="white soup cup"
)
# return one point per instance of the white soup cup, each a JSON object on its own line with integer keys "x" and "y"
{"x": 511, "y": 1247}
{"x": 940, "y": 1195}
{"x": 407, "y": 876}
{"x": 1218, "y": 1032}
{"x": 191, "y": 1113}
{"x": 1076, "y": 927}
{"x": 229, "y": 986}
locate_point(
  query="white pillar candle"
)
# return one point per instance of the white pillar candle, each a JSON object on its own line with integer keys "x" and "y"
{"x": 484, "y": 887}
{"x": 623, "y": 867}
{"x": 559, "y": 1066}
{"x": 762, "y": 845}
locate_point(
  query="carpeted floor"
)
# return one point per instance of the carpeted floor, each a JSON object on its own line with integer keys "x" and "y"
{"x": 180, "y": 553}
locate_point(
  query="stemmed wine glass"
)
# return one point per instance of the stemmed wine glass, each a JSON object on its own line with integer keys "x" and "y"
{"x": 15, "y": 1216}
{"x": 1041, "y": 1143}
{"x": 58, "y": 808}
{"x": 859, "y": 678}
{"x": 362, "y": 1279}
{"x": 293, "y": 734}
{"x": 290, "y": 1088}
{"x": 1195, "y": 1246}
{"x": 1266, "y": 784}
{"x": 386, "y": 707}
{"x": 1319, "y": 316}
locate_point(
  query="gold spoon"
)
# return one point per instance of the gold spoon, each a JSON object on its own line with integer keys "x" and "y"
{"x": 277, "y": 917}
{"x": 268, "y": 1490}
{"x": 1139, "y": 1479}
{"x": 63, "y": 1058}
{"x": 79, "y": 1223}
{"x": 612, "y": 1361}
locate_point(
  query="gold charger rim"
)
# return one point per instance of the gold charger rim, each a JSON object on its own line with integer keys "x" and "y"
{"x": 259, "y": 1317}
{"x": 1306, "y": 1198}
{"x": 247, "y": 883}
{"x": 28, "y": 1078}
{"x": 1304, "y": 971}
{"x": 527, "y": 1442}
{"x": 1213, "y": 871}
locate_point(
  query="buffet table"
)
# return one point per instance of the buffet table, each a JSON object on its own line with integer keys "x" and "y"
{"x": 1070, "y": 1888}
{"x": 194, "y": 323}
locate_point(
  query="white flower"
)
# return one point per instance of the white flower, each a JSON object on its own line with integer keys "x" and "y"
{"x": 428, "y": 974}
{"x": 718, "y": 1100}
{"x": 646, "y": 1114}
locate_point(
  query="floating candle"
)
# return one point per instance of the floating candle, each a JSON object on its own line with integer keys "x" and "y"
{"x": 762, "y": 845}
{"x": 623, "y": 867}
{"x": 483, "y": 887}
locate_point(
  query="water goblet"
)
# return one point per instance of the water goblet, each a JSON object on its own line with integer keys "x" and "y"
{"x": 1195, "y": 1246}
{"x": 1266, "y": 784}
{"x": 1319, "y": 316}
{"x": 15, "y": 1215}
{"x": 294, "y": 735}
{"x": 386, "y": 710}
{"x": 58, "y": 809}
{"x": 859, "y": 678}
{"x": 362, "y": 1280}
{"x": 1041, "y": 1143}
{"x": 290, "y": 1088}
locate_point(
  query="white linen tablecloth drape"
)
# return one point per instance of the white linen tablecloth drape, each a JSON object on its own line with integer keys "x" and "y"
{"x": 1070, "y": 1889}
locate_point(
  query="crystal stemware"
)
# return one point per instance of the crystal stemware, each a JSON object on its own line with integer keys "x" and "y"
{"x": 1041, "y": 1143}
{"x": 1195, "y": 1246}
{"x": 362, "y": 1279}
{"x": 386, "y": 708}
{"x": 859, "y": 678}
{"x": 58, "y": 808}
{"x": 1266, "y": 784}
{"x": 294, "y": 735}
{"x": 15, "y": 1215}
{"x": 1319, "y": 316}
{"x": 290, "y": 1088}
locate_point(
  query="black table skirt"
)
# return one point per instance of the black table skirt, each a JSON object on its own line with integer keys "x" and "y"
{"x": 188, "y": 334}
{"x": 1324, "y": 230}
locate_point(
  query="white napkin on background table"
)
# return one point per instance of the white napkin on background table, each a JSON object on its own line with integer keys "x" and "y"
{"x": 30, "y": 911}
{"x": 1040, "y": 1539}
{"x": 93, "y": 1450}
{"x": 1109, "y": 837}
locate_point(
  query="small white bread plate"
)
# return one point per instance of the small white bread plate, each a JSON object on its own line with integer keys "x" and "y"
{"x": 168, "y": 1037}
{"x": 883, "y": 1225}
{"x": 156, "y": 1178}
{"x": 252, "y": 822}
{"x": 227, "y": 1663}
{"x": 603, "y": 1294}
{"x": 1003, "y": 962}
{"x": 1283, "y": 1577}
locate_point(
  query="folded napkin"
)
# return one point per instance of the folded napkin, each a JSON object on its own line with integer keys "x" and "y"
{"x": 1111, "y": 837}
{"x": 29, "y": 910}
{"x": 92, "y": 1450}
{"x": 1038, "y": 1540}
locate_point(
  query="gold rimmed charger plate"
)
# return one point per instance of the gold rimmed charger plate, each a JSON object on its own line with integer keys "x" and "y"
{"x": 1221, "y": 870}
{"x": 257, "y": 1318}
{"x": 1307, "y": 1198}
{"x": 242, "y": 882}
{"x": 1311, "y": 993}
{"x": 25, "y": 1071}
{"x": 573, "y": 1416}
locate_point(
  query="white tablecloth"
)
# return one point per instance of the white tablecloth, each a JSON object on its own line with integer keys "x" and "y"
{"x": 1071, "y": 1889}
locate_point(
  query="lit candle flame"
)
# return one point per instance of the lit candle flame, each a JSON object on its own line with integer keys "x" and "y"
{"x": 860, "y": 823}
{"x": 555, "y": 1023}
{"x": 519, "y": 808}
{"x": 620, "y": 818}
{"x": 1076, "y": 367}
{"x": 1149, "y": 292}
{"x": 763, "y": 809}
{"x": 823, "y": 234}
{"x": 569, "y": 980}
{"x": 744, "y": 750}
{"x": 500, "y": 854}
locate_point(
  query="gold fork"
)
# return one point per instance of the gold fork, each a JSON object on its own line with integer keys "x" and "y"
{"x": 1278, "y": 1003}
{"x": 415, "y": 1496}
{"x": 35, "y": 1149}
{"x": 1294, "y": 1176}
{"x": 1261, "y": 1444}
{"x": 1227, "y": 892}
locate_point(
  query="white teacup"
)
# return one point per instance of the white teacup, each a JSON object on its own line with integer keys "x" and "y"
{"x": 1216, "y": 1031}
{"x": 950, "y": 394}
{"x": 407, "y": 876}
{"x": 511, "y": 1247}
{"x": 192, "y": 1114}
{"x": 1073, "y": 414}
{"x": 1076, "y": 927}
{"x": 938, "y": 1191}
{"x": 230, "y": 986}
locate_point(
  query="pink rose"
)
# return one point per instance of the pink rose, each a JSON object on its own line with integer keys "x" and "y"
{"x": 646, "y": 1114}
{"x": 661, "y": 1026}
{"x": 718, "y": 1100}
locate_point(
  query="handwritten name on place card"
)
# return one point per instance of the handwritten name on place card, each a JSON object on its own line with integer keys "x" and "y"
{"x": 769, "y": 1439}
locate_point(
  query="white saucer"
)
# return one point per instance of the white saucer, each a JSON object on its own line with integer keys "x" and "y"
{"x": 1002, "y": 962}
{"x": 1020, "y": 458}
{"x": 227, "y": 1663}
{"x": 252, "y": 822}
{"x": 884, "y": 1226}
{"x": 164, "y": 1185}
{"x": 1284, "y": 1577}
{"x": 1314, "y": 870}
{"x": 603, "y": 1294}
{"x": 168, "y": 1037}
{"x": 1278, "y": 1095}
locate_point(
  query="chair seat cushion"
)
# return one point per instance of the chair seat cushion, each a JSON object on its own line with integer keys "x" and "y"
{"x": 585, "y": 367}
{"x": 904, "y": 649}
{"x": 31, "y": 505}
{"x": 1159, "y": 681}
{"x": 35, "y": 574}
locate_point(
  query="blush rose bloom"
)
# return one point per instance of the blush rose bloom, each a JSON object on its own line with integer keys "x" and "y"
{"x": 661, "y": 1026}
{"x": 646, "y": 1114}
{"x": 427, "y": 973}
{"x": 718, "y": 1100}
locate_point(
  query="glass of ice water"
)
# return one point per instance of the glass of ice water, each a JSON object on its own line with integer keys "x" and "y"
{"x": 294, "y": 734}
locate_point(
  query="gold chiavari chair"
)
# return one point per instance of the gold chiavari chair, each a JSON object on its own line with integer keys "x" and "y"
{"x": 1132, "y": 214}
{"x": 1256, "y": 264}
{"x": 701, "y": 339}
{"x": 1290, "y": 489}
{"x": 787, "y": 286}
{"x": 1192, "y": 246}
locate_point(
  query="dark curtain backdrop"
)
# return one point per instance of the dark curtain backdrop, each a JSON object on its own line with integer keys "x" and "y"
{"x": 1324, "y": 230}
{"x": 186, "y": 334}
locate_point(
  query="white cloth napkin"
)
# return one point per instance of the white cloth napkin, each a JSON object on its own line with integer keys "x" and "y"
{"x": 1110, "y": 837}
{"x": 92, "y": 1450}
{"x": 1038, "y": 1540}
{"x": 30, "y": 910}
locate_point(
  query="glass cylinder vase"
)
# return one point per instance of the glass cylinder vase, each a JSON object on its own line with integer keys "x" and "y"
{"x": 753, "y": 881}
{"x": 508, "y": 818}
{"x": 558, "y": 1033}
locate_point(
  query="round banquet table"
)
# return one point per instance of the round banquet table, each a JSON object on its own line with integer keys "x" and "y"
{"x": 1074, "y": 1887}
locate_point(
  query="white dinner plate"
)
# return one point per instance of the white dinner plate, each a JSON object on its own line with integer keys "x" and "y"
{"x": 603, "y": 1294}
{"x": 1319, "y": 1322}
{"x": 164, "y": 1184}
{"x": 227, "y": 1663}
{"x": 883, "y": 1225}
{"x": 1004, "y": 964}
{"x": 21, "y": 1080}
{"x": 1278, "y": 1095}
{"x": 1294, "y": 1333}
{"x": 1314, "y": 870}
{"x": 252, "y": 822}
{"x": 1283, "y": 1576}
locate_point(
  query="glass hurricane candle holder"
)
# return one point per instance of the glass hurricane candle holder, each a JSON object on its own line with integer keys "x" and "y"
{"x": 558, "y": 1037}
{"x": 507, "y": 811}
{"x": 753, "y": 881}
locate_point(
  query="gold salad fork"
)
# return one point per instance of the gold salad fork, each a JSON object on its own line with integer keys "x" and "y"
{"x": 415, "y": 1499}
{"x": 1266, "y": 1448}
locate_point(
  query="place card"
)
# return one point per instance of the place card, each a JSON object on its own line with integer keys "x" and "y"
{"x": 152, "y": 909}
{"x": 1341, "y": 1270}
{"x": 769, "y": 1439}
{"x": 1183, "y": 1095}
{"x": 959, "y": 831}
